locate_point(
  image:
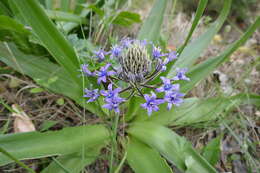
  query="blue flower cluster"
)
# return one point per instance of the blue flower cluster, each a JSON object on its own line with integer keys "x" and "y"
{"x": 134, "y": 51}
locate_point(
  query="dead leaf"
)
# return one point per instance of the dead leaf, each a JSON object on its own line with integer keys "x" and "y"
{"x": 22, "y": 123}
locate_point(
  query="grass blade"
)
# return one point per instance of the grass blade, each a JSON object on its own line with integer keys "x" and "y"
{"x": 53, "y": 40}
{"x": 150, "y": 30}
{"x": 201, "y": 7}
{"x": 75, "y": 162}
{"x": 36, "y": 145}
{"x": 144, "y": 159}
{"x": 202, "y": 70}
{"x": 192, "y": 51}
{"x": 174, "y": 148}
{"x": 3, "y": 151}
{"x": 63, "y": 16}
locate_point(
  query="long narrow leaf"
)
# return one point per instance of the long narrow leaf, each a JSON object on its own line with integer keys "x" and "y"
{"x": 150, "y": 30}
{"x": 202, "y": 70}
{"x": 35, "y": 144}
{"x": 46, "y": 74}
{"x": 75, "y": 162}
{"x": 195, "y": 48}
{"x": 174, "y": 148}
{"x": 53, "y": 40}
{"x": 201, "y": 7}
{"x": 144, "y": 159}
{"x": 195, "y": 110}
{"x": 63, "y": 16}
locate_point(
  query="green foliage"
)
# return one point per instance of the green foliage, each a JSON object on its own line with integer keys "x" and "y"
{"x": 66, "y": 141}
{"x": 45, "y": 73}
{"x": 212, "y": 150}
{"x": 53, "y": 40}
{"x": 148, "y": 143}
{"x": 126, "y": 18}
{"x": 144, "y": 159}
{"x": 151, "y": 28}
{"x": 173, "y": 147}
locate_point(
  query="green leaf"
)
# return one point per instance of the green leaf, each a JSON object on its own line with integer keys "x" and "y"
{"x": 95, "y": 9}
{"x": 203, "y": 69}
{"x": 144, "y": 159}
{"x": 47, "y": 124}
{"x": 126, "y": 18}
{"x": 174, "y": 148}
{"x": 195, "y": 110}
{"x": 65, "y": 5}
{"x": 36, "y": 90}
{"x": 192, "y": 51}
{"x": 63, "y": 16}
{"x": 53, "y": 40}
{"x": 212, "y": 151}
{"x": 201, "y": 7}
{"x": 75, "y": 162}
{"x": 3, "y": 151}
{"x": 46, "y": 74}
{"x": 7, "y": 23}
{"x": 36, "y": 145}
{"x": 150, "y": 30}
{"x": 60, "y": 101}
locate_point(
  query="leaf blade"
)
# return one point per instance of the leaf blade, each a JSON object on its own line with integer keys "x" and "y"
{"x": 173, "y": 147}
{"x": 36, "y": 144}
{"x": 149, "y": 161}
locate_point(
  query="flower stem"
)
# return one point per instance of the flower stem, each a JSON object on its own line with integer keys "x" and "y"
{"x": 114, "y": 144}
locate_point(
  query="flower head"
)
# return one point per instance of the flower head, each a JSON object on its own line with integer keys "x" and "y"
{"x": 85, "y": 70}
{"x": 103, "y": 73}
{"x": 135, "y": 63}
{"x": 92, "y": 94}
{"x": 167, "y": 86}
{"x": 173, "y": 98}
{"x": 181, "y": 74}
{"x": 151, "y": 103}
{"x": 100, "y": 55}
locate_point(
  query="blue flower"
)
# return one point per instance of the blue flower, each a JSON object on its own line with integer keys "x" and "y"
{"x": 112, "y": 99}
{"x": 85, "y": 70}
{"x": 103, "y": 73}
{"x": 110, "y": 93}
{"x": 163, "y": 65}
{"x": 181, "y": 74}
{"x": 157, "y": 52}
{"x": 173, "y": 98}
{"x": 116, "y": 51}
{"x": 126, "y": 42}
{"x": 151, "y": 103}
{"x": 167, "y": 86}
{"x": 113, "y": 103}
{"x": 92, "y": 94}
{"x": 172, "y": 55}
{"x": 100, "y": 55}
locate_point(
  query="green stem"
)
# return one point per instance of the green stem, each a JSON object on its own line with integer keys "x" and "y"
{"x": 114, "y": 143}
